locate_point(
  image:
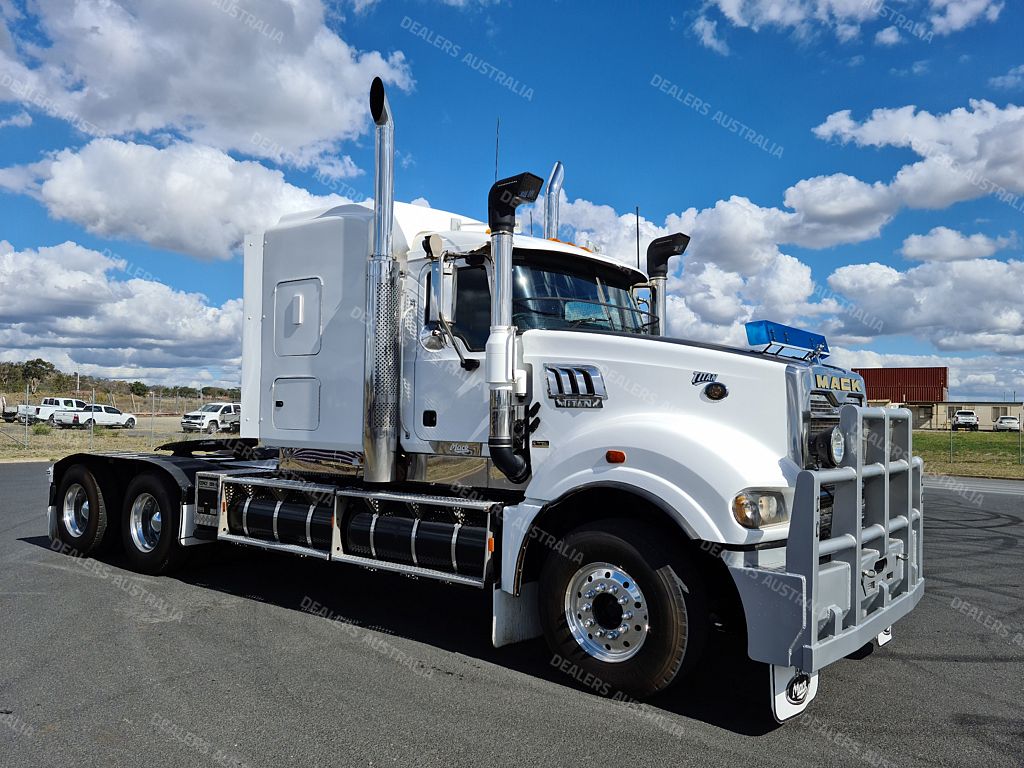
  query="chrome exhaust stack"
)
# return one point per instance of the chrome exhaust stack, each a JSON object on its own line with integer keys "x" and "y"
{"x": 505, "y": 196}
{"x": 658, "y": 254}
{"x": 381, "y": 355}
{"x": 551, "y": 200}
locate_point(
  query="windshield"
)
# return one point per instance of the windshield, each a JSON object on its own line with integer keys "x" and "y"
{"x": 209, "y": 408}
{"x": 554, "y": 295}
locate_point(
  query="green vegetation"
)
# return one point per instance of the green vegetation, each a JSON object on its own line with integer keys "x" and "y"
{"x": 41, "y": 429}
{"x": 975, "y": 454}
{"x": 43, "y": 378}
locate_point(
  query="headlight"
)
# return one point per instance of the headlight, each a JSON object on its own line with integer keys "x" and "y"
{"x": 830, "y": 447}
{"x": 758, "y": 509}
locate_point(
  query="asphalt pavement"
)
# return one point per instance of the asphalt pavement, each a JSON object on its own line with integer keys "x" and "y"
{"x": 259, "y": 659}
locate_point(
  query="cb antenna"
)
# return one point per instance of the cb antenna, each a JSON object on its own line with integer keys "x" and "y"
{"x": 638, "y": 237}
{"x": 497, "y": 140}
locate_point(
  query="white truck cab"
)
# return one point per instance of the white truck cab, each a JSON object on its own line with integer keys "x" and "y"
{"x": 438, "y": 396}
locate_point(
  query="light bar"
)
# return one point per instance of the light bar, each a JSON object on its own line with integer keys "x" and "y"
{"x": 765, "y": 333}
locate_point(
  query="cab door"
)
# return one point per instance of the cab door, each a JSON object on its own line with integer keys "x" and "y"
{"x": 450, "y": 402}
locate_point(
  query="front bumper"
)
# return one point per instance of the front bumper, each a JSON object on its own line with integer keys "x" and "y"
{"x": 835, "y": 594}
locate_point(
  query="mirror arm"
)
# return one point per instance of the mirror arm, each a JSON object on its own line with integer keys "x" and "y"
{"x": 466, "y": 363}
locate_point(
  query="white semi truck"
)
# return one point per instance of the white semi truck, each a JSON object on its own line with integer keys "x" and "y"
{"x": 445, "y": 398}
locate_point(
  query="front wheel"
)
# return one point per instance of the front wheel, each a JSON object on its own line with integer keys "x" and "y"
{"x": 149, "y": 525}
{"x": 212, "y": 428}
{"x": 619, "y": 604}
{"x": 130, "y": 424}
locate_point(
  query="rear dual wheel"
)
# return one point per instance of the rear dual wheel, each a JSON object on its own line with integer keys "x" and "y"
{"x": 150, "y": 522}
{"x": 82, "y": 516}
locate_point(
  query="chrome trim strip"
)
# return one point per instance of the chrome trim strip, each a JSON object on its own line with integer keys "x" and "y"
{"x": 455, "y": 538}
{"x": 277, "y": 509}
{"x": 273, "y": 545}
{"x": 373, "y": 528}
{"x": 412, "y": 540}
{"x": 245, "y": 516}
{"x": 309, "y": 523}
{"x": 384, "y": 565}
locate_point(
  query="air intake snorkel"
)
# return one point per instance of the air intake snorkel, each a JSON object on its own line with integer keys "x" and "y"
{"x": 658, "y": 254}
{"x": 505, "y": 196}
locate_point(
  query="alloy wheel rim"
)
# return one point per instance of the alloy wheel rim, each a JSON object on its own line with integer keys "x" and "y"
{"x": 606, "y": 612}
{"x": 76, "y": 510}
{"x": 146, "y": 522}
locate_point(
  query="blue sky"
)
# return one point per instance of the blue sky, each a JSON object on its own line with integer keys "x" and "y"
{"x": 144, "y": 138}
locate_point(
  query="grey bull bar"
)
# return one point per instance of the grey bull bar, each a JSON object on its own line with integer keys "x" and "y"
{"x": 854, "y": 554}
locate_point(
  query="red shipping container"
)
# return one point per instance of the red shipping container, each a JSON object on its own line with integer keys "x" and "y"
{"x": 906, "y": 385}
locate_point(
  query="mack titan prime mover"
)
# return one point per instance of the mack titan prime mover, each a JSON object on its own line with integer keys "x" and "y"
{"x": 444, "y": 398}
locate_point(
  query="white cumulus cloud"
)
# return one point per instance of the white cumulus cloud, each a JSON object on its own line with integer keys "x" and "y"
{"x": 945, "y": 244}
{"x": 184, "y": 197}
{"x": 266, "y": 78}
{"x": 84, "y": 309}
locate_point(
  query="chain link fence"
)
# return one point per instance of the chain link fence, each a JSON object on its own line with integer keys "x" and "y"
{"x": 156, "y": 419}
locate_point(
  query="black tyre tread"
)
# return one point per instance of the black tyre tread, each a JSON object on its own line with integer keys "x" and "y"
{"x": 96, "y": 534}
{"x": 168, "y": 554}
{"x": 686, "y": 633}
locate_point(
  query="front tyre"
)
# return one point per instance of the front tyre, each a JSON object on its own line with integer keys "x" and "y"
{"x": 212, "y": 428}
{"x": 149, "y": 526}
{"x": 618, "y": 603}
{"x": 130, "y": 424}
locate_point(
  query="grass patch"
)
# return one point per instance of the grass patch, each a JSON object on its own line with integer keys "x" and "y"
{"x": 41, "y": 429}
{"x": 975, "y": 454}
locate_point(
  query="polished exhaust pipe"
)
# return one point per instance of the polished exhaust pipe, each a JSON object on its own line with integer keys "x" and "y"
{"x": 381, "y": 354}
{"x": 551, "y": 200}
{"x": 658, "y": 253}
{"x": 500, "y": 357}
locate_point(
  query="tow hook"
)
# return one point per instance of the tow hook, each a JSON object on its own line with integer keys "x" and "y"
{"x": 872, "y": 577}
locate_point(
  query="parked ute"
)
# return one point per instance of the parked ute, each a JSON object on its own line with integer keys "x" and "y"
{"x": 47, "y": 408}
{"x": 95, "y": 414}
{"x": 1006, "y": 424}
{"x": 213, "y": 417}
{"x": 965, "y": 420}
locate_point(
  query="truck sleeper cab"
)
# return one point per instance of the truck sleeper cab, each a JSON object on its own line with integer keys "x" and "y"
{"x": 437, "y": 396}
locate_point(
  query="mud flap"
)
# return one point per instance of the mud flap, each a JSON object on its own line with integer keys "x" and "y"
{"x": 515, "y": 619}
{"x": 791, "y": 690}
{"x": 884, "y": 636}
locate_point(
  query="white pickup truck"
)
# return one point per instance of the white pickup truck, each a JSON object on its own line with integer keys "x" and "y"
{"x": 213, "y": 417}
{"x": 47, "y": 408}
{"x": 965, "y": 420}
{"x": 95, "y": 414}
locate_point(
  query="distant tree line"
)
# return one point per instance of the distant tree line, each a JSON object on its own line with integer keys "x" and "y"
{"x": 43, "y": 376}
